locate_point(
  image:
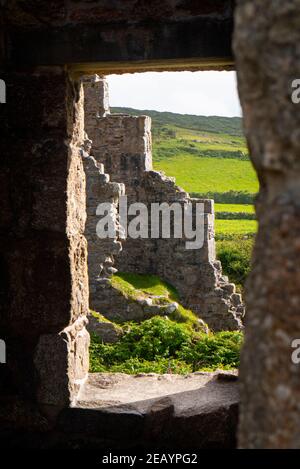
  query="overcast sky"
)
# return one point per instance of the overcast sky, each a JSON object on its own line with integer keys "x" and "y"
{"x": 201, "y": 93}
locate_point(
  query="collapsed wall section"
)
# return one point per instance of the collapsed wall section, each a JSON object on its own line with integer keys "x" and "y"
{"x": 122, "y": 143}
{"x": 101, "y": 251}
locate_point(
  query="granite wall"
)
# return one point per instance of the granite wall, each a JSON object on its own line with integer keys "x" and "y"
{"x": 43, "y": 252}
{"x": 267, "y": 47}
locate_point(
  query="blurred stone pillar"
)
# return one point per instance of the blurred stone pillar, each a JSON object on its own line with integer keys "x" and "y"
{"x": 267, "y": 50}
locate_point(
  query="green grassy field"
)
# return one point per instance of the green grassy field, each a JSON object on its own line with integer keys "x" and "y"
{"x": 204, "y": 161}
{"x": 202, "y": 175}
{"x": 235, "y": 227}
{"x": 234, "y": 208}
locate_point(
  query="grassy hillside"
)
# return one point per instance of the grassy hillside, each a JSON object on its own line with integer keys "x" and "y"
{"x": 207, "y": 155}
{"x": 201, "y": 175}
{"x": 214, "y": 124}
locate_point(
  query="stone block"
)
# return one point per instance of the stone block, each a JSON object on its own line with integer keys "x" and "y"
{"x": 61, "y": 362}
{"x": 106, "y": 331}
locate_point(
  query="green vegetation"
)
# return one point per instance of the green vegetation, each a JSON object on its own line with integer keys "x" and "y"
{"x": 173, "y": 344}
{"x": 234, "y": 212}
{"x": 219, "y": 350}
{"x": 230, "y": 228}
{"x": 228, "y": 197}
{"x": 200, "y": 175}
{"x": 233, "y": 208}
{"x": 161, "y": 345}
{"x": 235, "y": 216}
{"x": 137, "y": 284}
{"x": 141, "y": 286}
{"x": 235, "y": 256}
{"x": 98, "y": 316}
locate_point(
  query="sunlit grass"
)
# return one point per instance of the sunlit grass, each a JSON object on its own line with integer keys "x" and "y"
{"x": 240, "y": 208}
{"x": 210, "y": 174}
{"x": 235, "y": 227}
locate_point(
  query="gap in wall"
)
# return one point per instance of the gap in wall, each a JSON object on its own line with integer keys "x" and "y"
{"x": 145, "y": 314}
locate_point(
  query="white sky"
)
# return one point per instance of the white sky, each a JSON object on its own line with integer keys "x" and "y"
{"x": 200, "y": 93}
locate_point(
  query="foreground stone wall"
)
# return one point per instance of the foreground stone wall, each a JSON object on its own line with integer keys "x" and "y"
{"x": 267, "y": 47}
{"x": 122, "y": 144}
{"x": 42, "y": 247}
{"x": 141, "y": 413}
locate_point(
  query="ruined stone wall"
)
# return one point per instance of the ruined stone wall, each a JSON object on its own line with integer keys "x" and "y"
{"x": 101, "y": 251}
{"x": 122, "y": 144}
{"x": 99, "y": 190}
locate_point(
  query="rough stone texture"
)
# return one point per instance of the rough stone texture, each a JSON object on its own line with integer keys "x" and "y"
{"x": 122, "y": 32}
{"x": 101, "y": 251}
{"x": 68, "y": 362}
{"x": 141, "y": 413}
{"x": 117, "y": 306}
{"x": 267, "y": 48}
{"x": 107, "y": 332}
{"x": 198, "y": 410}
{"x": 122, "y": 144}
{"x": 103, "y": 390}
{"x": 43, "y": 252}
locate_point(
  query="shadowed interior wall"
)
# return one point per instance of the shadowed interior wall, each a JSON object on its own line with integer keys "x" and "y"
{"x": 43, "y": 250}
